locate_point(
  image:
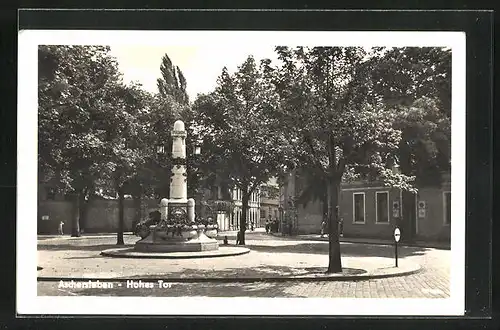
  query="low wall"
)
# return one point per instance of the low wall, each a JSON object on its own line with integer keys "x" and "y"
{"x": 57, "y": 211}
{"x": 309, "y": 218}
{"x": 102, "y": 215}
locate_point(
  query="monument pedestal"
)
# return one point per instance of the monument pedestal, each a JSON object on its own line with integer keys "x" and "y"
{"x": 174, "y": 244}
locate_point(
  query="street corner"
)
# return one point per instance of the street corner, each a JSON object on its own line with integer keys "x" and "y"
{"x": 357, "y": 270}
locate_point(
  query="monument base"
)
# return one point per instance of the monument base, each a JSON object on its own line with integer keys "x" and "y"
{"x": 198, "y": 244}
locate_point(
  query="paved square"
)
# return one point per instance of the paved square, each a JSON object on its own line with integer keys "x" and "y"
{"x": 79, "y": 258}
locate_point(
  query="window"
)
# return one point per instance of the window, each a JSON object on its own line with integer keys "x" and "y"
{"x": 262, "y": 214}
{"x": 447, "y": 208}
{"x": 382, "y": 206}
{"x": 358, "y": 207}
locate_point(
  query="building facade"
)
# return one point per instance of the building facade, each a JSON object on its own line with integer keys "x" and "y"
{"x": 269, "y": 201}
{"x": 252, "y": 211}
{"x": 372, "y": 210}
{"x": 261, "y": 206}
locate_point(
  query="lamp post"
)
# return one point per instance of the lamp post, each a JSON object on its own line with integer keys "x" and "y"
{"x": 280, "y": 220}
{"x": 160, "y": 149}
{"x": 196, "y": 153}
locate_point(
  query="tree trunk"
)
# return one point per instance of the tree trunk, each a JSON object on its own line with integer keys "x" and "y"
{"x": 84, "y": 203}
{"x": 121, "y": 220}
{"x": 408, "y": 217}
{"x": 324, "y": 205}
{"x": 75, "y": 223}
{"x": 243, "y": 220}
{"x": 334, "y": 260}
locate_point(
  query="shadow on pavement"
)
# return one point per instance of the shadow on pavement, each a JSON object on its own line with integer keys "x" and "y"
{"x": 80, "y": 247}
{"x": 307, "y": 247}
{"x": 260, "y": 272}
{"x": 346, "y": 249}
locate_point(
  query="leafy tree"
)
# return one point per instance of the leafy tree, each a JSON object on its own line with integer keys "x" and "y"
{"x": 418, "y": 81}
{"x": 76, "y": 93}
{"x": 127, "y": 146}
{"x": 405, "y": 76}
{"x": 334, "y": 121}
{"x": 243, "y": 149}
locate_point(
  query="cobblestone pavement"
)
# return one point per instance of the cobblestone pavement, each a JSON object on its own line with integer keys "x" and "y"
{"x": 431, "y": 282}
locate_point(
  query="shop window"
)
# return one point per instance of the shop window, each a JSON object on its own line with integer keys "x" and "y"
{"x": 382, "y": 207}
{"x": 358, "y": 207}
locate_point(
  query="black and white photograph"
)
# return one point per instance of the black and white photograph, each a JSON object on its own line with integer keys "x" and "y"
{"x": 241, "y": 172}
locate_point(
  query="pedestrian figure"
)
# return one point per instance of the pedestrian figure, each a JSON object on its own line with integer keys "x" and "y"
{"x": 61, "y": 224}
{"x": 251, "y": 225}
{"x": 225, "y": 240}
{"x": 323, "y": 227}
{"x": 267, "y": 226}
{"x": 238, "y": 237}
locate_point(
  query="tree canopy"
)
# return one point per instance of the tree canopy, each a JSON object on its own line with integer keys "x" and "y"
{"x": 244, "y": 149}
{"x": 418, "y": 81}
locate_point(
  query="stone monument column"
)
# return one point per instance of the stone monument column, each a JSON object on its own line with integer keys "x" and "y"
{"x": 178, "y": 181}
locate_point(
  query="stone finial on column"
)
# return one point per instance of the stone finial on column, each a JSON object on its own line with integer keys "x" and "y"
{"x": 164, "y": 209}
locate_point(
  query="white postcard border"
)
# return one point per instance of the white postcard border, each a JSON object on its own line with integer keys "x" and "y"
{"x": 29, "y": 303}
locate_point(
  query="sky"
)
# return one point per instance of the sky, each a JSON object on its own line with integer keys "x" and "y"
{"x": 201, "y": 64}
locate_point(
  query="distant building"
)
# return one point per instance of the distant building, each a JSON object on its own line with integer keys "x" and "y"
{"x": 269, "y": 201}
{"x": 262, "y": 204}
{"x": 252, "y": 212}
